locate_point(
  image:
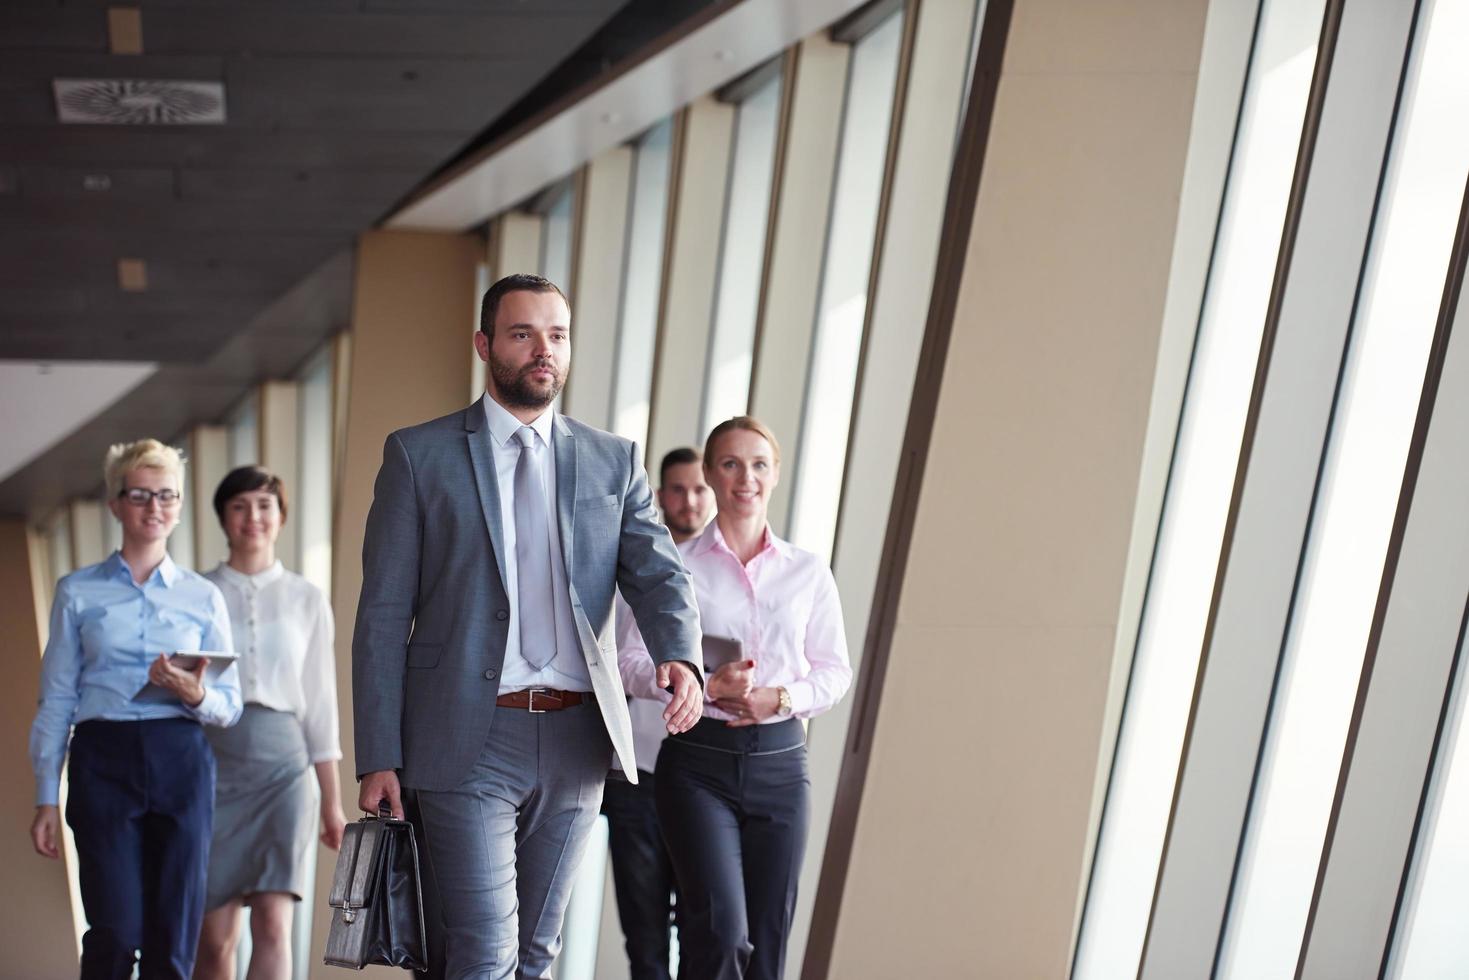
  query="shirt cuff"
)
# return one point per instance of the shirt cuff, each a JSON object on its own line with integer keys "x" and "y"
{"x": 210, "y": 710}
{"x": 48, "y": 790}
{"x": 803, "y": 696}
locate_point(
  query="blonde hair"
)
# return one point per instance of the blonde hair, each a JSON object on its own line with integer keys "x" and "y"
{"x": 749, "y": 424}
{"x": 145, "y": 454}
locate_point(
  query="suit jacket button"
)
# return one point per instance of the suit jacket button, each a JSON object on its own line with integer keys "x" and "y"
{"x": 490, "y": 674}
{"x": 502, "y": 615}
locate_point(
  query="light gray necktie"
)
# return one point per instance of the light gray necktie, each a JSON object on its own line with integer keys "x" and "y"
{"x": 533, "y": 557}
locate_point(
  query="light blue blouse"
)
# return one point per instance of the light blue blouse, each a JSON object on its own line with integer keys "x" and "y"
{"x": 105, "y": 632}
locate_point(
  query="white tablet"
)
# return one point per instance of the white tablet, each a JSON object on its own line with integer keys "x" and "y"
{"x": 219, "y": 662}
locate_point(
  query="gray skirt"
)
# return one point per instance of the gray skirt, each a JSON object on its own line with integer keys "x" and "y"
{"x": 264, "y": 807}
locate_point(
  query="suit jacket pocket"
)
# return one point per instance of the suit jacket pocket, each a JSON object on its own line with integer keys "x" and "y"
{"x": 422, "y": 655}
{"x": 586, "y": 504}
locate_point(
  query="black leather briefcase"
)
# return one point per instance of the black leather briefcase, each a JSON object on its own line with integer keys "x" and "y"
{"x": 376, "y": 900}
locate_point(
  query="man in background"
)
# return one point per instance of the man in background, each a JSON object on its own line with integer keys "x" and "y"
{"x": 641, "y": 871}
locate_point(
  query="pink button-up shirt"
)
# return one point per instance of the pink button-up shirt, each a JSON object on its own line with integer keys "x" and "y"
{"x": 782, "y": 606}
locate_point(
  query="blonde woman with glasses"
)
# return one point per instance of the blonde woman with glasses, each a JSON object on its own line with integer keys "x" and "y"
{"x": 141, "y": 774}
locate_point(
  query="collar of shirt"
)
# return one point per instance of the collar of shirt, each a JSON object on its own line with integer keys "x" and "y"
{"x": 236, "y": 577}
{"x": 166, "y": 572}
{"x": 503, "y": 425}
{"x": 712, "y": 539}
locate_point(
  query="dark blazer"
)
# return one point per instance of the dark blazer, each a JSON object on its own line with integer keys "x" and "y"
{"x": 433, "y": 616}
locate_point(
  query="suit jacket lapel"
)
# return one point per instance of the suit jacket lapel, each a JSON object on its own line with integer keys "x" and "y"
{"x": 565, "y": 446}
{"x": 482, "y": 453}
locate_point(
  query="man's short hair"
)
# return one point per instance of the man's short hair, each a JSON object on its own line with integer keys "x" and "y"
{"x": 517, "y": 283}
{"x": 681, "y": 456}
{"x": 247, "y": 479}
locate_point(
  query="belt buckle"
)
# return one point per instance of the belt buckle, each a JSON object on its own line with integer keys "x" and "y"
{"x": 530, "y": 699}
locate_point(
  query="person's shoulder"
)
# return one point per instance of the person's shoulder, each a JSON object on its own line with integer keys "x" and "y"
{"x": 801, "y": 557}
{"x": 596, "y": 436}
{"x": 434, "y": 429}
{"x": 299, "y": 585}
{"x": 190, "y": 579}
{"x": 78, "y": 579}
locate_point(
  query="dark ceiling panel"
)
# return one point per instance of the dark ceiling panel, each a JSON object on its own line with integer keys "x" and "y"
{"x": 194, "y": 217}
{"x": 45, "y": 65}
{"x": 335, "y": 110}
{"x": 284, "y": 187}
{"x": 404, "y": 94}
{"x": 36, "y": 27}
{"x": 204, "y": 146}
{"x": 93, "y": 184}
{"x": 411, "y": 33}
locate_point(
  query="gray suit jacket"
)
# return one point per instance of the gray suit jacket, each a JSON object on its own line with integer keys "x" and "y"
{"x": 433, "y": 618}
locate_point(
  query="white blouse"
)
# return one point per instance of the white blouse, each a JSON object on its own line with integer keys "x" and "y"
{"x": 283, "y": 630}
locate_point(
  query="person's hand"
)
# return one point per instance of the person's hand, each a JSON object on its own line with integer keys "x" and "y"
{"x": 379, "y": 786}
{"x": 333, "y": 825}
{"x": 688, "y": 697}
{"x": 46, "y": 831}
{"x": 733, "y": 680}
{"x": 753, "y": 708}
{"x": 186, "y": 685}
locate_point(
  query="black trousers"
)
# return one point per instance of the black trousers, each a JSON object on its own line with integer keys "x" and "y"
{"x": 734, "y": 805}
{"x": 642, "y": 873}
{"x": 141, "y": 806}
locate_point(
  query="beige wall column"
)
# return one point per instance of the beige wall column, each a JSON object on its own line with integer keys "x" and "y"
{"x": 209, "y": 462}
{"x": 36, "y": 932}
{"x": 88, "y": 545}
{"x": 280, "y": 434}
{"x": 517, "y": 244}
{"x": 700, "y": 176}
{"x": 398, "y": 377}
{"x": 980, "y": 713}
{"x": 787, "y": 324}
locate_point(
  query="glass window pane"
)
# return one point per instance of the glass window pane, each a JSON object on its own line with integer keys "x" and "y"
{"x": 638, "y": 328}
{"x": 312, "y": 504}
{"x": 244, "y": 432}
{"x": 556, "y": 235}
{"x": 742, "y": 259}
{"x": 842, "y": 309}
{"x": 1171, "y": 635}
{"x": 1364, "y": 471}
{"x": 1430, "y": 944}
{"x": 181, "y": 547}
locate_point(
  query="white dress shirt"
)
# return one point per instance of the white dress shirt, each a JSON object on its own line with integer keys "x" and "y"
{"x": 783, "y": 608}
{"x": 283, "y": 630}
{"x": 567, "y": 671}
{"x": 648, "y": 727}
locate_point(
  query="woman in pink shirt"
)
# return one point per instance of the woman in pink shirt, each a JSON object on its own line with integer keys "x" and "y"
{"x": 733, "y": 792}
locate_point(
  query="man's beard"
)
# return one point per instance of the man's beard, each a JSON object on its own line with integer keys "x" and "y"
{"x": 517, "y": 390}
{"x": 683, "y": 524}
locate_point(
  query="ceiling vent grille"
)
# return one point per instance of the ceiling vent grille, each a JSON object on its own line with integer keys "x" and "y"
{"x": 138, "y": 102}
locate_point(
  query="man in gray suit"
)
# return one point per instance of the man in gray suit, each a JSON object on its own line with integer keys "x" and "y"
{"x": 484, "y": 666}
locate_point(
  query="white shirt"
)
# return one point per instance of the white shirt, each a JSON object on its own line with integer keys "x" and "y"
{"x": 783, "y": 608}
{"x": 283, "y": 631}
{"x": 648, "y": 727}
{"x": 567, "y": 671}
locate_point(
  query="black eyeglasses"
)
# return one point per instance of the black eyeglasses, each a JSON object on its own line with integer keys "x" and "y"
{"x": 139, "y": 497}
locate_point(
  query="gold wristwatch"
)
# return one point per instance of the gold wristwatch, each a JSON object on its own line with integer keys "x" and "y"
{"x": 783, "y": 705}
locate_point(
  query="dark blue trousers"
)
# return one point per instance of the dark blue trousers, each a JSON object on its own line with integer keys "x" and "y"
{"x": 641, "y": 874}
{"x": 734, "y": 805}
{"x": 141, "y": 806}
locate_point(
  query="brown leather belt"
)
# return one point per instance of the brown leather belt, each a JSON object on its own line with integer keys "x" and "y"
{"x": 537, "y": 700}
